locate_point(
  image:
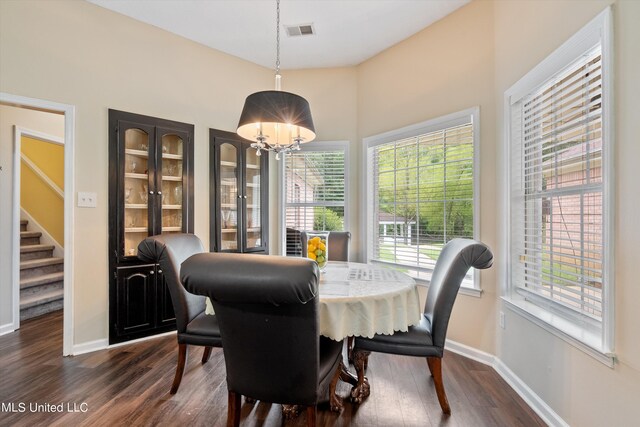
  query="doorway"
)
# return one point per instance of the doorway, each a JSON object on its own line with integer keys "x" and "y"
{"x": 12, "y": 222}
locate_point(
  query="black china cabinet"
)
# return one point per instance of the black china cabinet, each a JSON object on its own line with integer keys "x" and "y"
{"x": 238, "y": 195}
{"x": 150, "y": 192}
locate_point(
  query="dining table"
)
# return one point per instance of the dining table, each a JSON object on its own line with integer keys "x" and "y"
{"x": 361, "y": 300}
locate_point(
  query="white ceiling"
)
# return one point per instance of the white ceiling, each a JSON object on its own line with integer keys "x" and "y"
{"x": 347, "y": 31}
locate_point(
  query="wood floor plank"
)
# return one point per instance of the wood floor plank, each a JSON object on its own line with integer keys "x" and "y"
{"x": 129, "y": 385}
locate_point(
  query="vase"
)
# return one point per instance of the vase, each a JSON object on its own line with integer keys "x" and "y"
{"x": 318, "y": 248}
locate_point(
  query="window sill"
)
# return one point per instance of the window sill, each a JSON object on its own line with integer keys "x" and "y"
{"x": 472, "y": 292}
{"x": 586, "y": 341}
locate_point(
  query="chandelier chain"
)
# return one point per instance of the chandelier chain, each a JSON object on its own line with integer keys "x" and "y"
{"x": 277, "y": 37}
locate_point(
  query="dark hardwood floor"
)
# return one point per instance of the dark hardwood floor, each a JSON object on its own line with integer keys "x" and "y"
{"x": 129, "y": 385}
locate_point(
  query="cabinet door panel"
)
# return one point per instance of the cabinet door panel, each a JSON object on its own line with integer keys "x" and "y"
{"x": 238, "y": 195}
{"x": 171, "y": 176}
{"x": 134, "y": 215}
{"x": 253, "y": 237}
{"x": 135, "y": 288}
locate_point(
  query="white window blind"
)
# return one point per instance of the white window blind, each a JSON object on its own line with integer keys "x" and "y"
{"x": 314, "y": 188}
{"x": 557, "y": 211}
{"x": 421, "y": 196}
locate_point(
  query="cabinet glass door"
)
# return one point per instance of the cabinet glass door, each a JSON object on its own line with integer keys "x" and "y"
{"x": 228, "y": 166}
{"x": 252, "y": 200}
{"x": 170, "y": 150}
{"x": 136, "y": 189}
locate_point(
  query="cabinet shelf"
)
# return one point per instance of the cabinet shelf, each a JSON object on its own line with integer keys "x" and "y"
{"x": 171, "y": 178}
{"x": 171, "y": 228}
{"x": 171, "y": 206}
{"x": 137, "y": 153}
{"x": 172, "y": 156}
{"x": 136, "y": 206}
{"x": 252, "y": 166}
{"x": 136, "y": 230}
{"x": 229, "y": 230}
{"x": 230, "y": 164}
{"x": 136, "y": 175}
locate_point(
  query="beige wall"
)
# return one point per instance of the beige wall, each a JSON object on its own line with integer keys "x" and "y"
{"x": 467, "y": 59}
{"x": 581, "y": 390}
{"x": 448, "y": 67}
{"x": 332, "y": 94}
{"x": 94, "y": 59}
{"x": 48, "y": 123}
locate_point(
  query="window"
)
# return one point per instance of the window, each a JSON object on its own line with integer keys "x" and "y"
{"x": 558, "y": 178}
{"x": 422, "y": 192}
{"x": 314, "y": 191}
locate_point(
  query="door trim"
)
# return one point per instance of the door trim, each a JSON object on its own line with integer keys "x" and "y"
{"x": 69, "y": 190}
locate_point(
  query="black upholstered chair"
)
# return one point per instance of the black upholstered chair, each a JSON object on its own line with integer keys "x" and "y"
{"x": 338, "y": 245}
{"x": 267, "y": 308}
{"x": 427, "y": 339}
{"x": 193, "y": 325}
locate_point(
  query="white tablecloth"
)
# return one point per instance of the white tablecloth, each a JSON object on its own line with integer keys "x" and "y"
{"x": 363, "y": 300}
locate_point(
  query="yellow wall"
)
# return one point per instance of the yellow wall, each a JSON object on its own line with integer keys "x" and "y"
{"x": 36, "y": 197}
{"x": 47, "y": 156}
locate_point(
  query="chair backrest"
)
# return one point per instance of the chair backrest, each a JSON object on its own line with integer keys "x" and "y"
{"x": 338, "y": 245}
{"x": 267, "y": 309}
{"x": 169, "y": 251}
{"x": 454, "y": 261}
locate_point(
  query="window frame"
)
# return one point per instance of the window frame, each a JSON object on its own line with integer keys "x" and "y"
{"x": 556, "y": 319}
{"x": 315, "y": 146}
{"x": 428, "y": 126}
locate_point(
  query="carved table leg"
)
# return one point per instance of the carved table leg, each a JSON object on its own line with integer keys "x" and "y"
{"x": 290, "y": 412}
{"x": 361, "y": 390}
{"x": 335, "y": 401}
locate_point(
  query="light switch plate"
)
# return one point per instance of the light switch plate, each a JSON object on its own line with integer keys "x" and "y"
{"x": 87, "y": 199}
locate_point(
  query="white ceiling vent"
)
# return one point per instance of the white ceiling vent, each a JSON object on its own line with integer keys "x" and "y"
{"x": 300, "y": 30}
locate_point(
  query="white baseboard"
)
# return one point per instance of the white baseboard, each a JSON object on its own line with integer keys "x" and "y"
{"x": 88, "y": 347}
{"x": 470, "y": 352}
{"x": 7, "y": 329}
{"x": 539, "y": 406}
{"x": 103, "y": 344}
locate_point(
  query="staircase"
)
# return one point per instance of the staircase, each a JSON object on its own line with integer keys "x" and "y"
{"x": 41, "y": 276}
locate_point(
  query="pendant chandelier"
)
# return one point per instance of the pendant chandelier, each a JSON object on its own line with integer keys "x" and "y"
{"x": 277, "y": 121}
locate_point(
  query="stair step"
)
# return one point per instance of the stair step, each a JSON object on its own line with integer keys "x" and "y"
{"x": 43, "y": 279}
{"x": 40, "y": 299}
{"x": 41, "y": 285}
{"x": 41, "y": 303}
{"x": 29, "y": 252}
{"x": 28, "y": 238}
{"x": 23, "y": 224}
{"x": 37, "y": 267}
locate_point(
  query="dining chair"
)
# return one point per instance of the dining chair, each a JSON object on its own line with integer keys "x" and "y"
{"x": 267, "y": 308}
{"x": 338, "y": 245}
{"x": 427, "y": 339}
{"x": 193, "y": 325}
